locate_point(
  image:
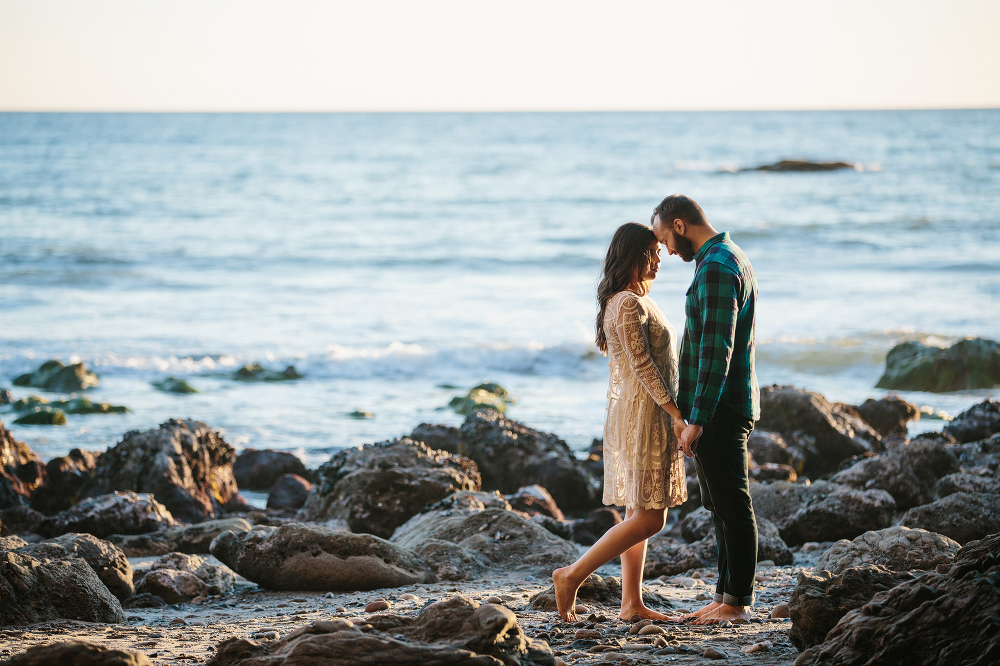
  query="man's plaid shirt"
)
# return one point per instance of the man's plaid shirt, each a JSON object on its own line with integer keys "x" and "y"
{"x": 717, "y": 352}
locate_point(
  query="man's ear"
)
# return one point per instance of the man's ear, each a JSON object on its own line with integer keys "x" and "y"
{"x": 679, "y": 226}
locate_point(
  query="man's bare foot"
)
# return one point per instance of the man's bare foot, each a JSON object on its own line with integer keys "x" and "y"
{"x": 699, "y": 613}
{"x": 643, "y": 612}
{"x": 735, "y": 614}
{"x": 565, "y": 594}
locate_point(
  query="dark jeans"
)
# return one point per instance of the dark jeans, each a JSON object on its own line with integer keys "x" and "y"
{"x": 721, "y": 461}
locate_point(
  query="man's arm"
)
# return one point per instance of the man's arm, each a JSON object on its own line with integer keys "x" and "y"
{"x": 718, "y": 290}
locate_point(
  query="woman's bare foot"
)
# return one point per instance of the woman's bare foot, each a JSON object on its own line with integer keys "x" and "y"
{"x": 699, "y": 613}
{"x": 643, "y": 612}
{"x": 736, "y": 614}
{"x": 565, "y": 594}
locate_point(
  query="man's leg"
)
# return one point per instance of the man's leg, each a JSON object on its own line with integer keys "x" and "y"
{"x": 706, "y": 501}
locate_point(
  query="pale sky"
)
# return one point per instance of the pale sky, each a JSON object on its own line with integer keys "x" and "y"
{"x": 474, "y": 55}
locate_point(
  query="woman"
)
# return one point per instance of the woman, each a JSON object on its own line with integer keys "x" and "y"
{"x": 643, "y": 467}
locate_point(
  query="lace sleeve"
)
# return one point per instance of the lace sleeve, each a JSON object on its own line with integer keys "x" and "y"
{"x": 628, "y": 325}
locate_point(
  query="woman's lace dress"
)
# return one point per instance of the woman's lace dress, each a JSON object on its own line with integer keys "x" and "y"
{"x": 643, "y": 465}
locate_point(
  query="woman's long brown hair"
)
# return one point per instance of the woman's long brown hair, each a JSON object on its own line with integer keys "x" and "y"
{"x": 629, "y": 249}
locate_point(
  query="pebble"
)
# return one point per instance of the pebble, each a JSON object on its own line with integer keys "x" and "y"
{"x": 494, "y": 600}
{"x": 615, "y": 656}
{"x": 637, "y": 646}
{"x": 581, "y": 609}
{"x": 638, "y": 626}
{"x": 660, "y": 642}
{"x": 281, "y": 605}
{"x": 601, "y": 647}
{"x": 684, "y": 581}
{"x": 703, "y": 596}
{"x": 765, "y": 563}
{"x": 761, "y": 578}
{"x": 377, "y": 605}
{"x": 757, "y": 647}
{"x": 178, "y": 620}
{"x": 780, "y": 611}
{"x": 340, "y": 609}
{"x": 409, "y": 597}
{"x": 667, "y": 649}
{"x": 299, "y": 600}
{"x": 587, "y": 633}
{"x": 265, "y": 636}
{"x": 712, "y": 653}
{"x": 328, "y": 595}
{"x": 560, "y": 662}
{"x": 809, "y": 547}
{"x": 651, "y": 629}
{"x": 725, "y": 624}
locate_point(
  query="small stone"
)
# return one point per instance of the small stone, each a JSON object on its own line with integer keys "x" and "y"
{"x": 639, "y": 647}
{"x": 178, "y": 620}
{"x": 810, "y": 546}
{"x": 591, "y": 634}
{"x": 299, "y": 600}
{"x": 780, "y": 611}
{"x": 756, "y": 647}
{"x": 328, "y": 595}
{"x": 667, "y": 649}
{"x": 581, "y": 609}
{"x": 494, "y": 600}
{"x": 761, "y": 578}
{"x": 635, "y": 618}
{"x": 265, "y": 636}
{"x": 409, "y": 597}
{"x": 703, "y": 596}
{"x": 560, "y": 662}
{"x": 377, "y": 605}
{"x": 765, "y": 563}
{"x": 639, "y": 625}
{"x": 340, "y": 609}
{"x": 651, "y": 629}
{"x": 712, "y": 653}
{"x": 725, "y": 624}
{"x": 281, "y": 605}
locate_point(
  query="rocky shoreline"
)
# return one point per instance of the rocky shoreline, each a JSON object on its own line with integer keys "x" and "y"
{"x": 437, "y": 547}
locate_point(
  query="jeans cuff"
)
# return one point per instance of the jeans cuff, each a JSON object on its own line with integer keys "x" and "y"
{"x": 718, "y": 598}
{"x": 737, "y": 601}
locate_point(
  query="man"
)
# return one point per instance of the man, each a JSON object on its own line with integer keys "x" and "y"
{"x": 718, "y": 392}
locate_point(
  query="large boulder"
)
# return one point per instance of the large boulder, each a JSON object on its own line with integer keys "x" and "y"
{"x": 949, "y": 616}
{"x": 258, "y": 470}
{"x": 178, "y": 578}
{"x": 968, "y": 483}
{"x": 378, "y": 487}
{"x": 77, "y": 653}
{"x": 34, "y": 590}
{"x": 534, "y": 500}
{"x": 895, "y": 548}
{"x": 116, "y": 513}
{"x": 977, "y": 422}
{"x": 19, "y": 519}
{"x": 699, "y": 528}
{"x": 603, "y": 591}
{"x": 296, "y": 556}
{"x": 186, "y": 464}
{"x": 290, "y": 491}
{"x": 593, "y": 526}
{"x": 64, "y": 478}
{"x": 961, "y": 516}
{"x": 107, "y": 560}
{"x": 667, "y": 556}
{"x": 826, "y": 432}
{"x": 59, "y": 378}
{"x": 192, "y": 539}
{"x": 908, "y": 473}
{"x": 21, "y": 470}
{"x": 822, "y": 511}
{"x": 889, "y": 415}
{"x": 452, "y": 631}
{"x": 973, "y": 363}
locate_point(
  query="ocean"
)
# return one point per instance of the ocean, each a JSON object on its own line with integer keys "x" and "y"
{"x": 396, "y": 260}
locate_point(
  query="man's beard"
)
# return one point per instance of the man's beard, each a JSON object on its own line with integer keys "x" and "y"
{"x": 683, "y": 247}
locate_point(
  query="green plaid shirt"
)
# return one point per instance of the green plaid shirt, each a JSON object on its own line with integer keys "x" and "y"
{"x": 717, "y": 352}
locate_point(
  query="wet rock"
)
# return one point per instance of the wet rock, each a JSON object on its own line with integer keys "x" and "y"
{"x": 967, "y": 483}
{"x": 378, "y": 487}
{"x": 511, "y": 455}
{"x": 604, "y": 591}
{"x": 143, "y": 600}
{"x": 973, "y": 363}
{"x": 59, "y": 378}
{"x": 822, "y": 511}
{"x": 826, "y": 432}
{"x": 587, "y": 531}
{"x": 42, "y": 416}
{"x": 908, "y": 473}
{"x": 977, "y": 422}
{"x": 453, "y": 631}
{"x": 950, "y": 616}
{"x": 34, "y": 590}
{"x": 21, "y": 470}
{"x": 483, "y": 396}
{"x": 961, "y": 516}
{"x": 178, "y": 578}
{"x": 255, "y": 372}
{"x": 117, "y": 513}
{"x": 534, "y": 500}
{"x": 436, "y": 436}
{"x": 773, "y": 472}
{"x": 19, "y": 519}
{"x": 193, "y": 539}
{"x": 259, "y": 469}
{"x": 310, "y": 557}
{"x": 697, "y": 524}
{"x": 106, "y": 559}
{"x": 895, "y": 548}
{"x": 802, "y": 165}
{"x": 770, "y": 545}
{"x": 6, "y": 397}
{"x": 174, "y": 385}
{"x": 186, "y": 464}
{"x": 75, "y": 404}
{"x": 65, "y": 477}
{"x": 666, "y": 556}
{"x": 77, "y": 653}
{"x": 889, "y": 415}
{"x": 288, "y": 492}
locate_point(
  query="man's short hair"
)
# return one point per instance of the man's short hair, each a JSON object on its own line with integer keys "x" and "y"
{"x": 680, "y": 206}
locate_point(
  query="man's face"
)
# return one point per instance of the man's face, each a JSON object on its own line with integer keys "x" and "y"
{"x": 674, "y": 242}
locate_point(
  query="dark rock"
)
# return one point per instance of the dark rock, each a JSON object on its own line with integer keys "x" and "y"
{"x": 75, "y": 404}
{"x": 770, "y": 545}
{"x": 193, "y": 539}
{"x": 65, "y": 476}
{"x": 178, "y": 578}
{"x": 981, "y": 457}
{"x": 288, "y": 492}
{"x": 33, "y": 590}
{"x": 973, "y": 363}
{"x": 186, "y": 464}
{"x": 484, "y": 396}
{"x": 773, "y": 472}
{"x": 59, "y": 378}
{"x": 770, "y": 447}
{"x": 606, "y": 591}
{"x": 106, "y": 559}
{"x": 694, "y": 496}
{"x": 255, "y": 372}
{"x": 889, "y": 415}
{"x": 895, "y": 548}
{"x": 77, "y": 653}
{"x": 977, "y": 422}
{"x": 819, "y": 602}
{"x": 143, "y": 600}
{"x": 802, "y": 165}
{"x": 587, "y": 531}
{"x": 42, "y": 416}
{"x": 666, "y": 556}
{"x": 19, "y": 519}
{"x": 6, "y": 397}
{"x": 534, "y": 500}
{"x": 511, "y": 455}
{"x": 561, "y": 528}
{"x": 697, "y": 524}
{"x": 174, "y": 385}
{"x": 258, "y": 470}
{"x": 453, "y": 631}
{"x": 21, "y": 470}
{"x": 446, "y": 438}
{"x": 450, "y": 561}
{"x": 117, "y": 513}
{"x": 826, "y": 432}
{"x": 961, "y": 516}
{"x": 310, "y": 557}
{"x": 379, "y": 487}
{"x": 967, "y": 483}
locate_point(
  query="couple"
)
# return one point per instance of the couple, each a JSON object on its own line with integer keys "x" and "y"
{"x": 705, "y": 406}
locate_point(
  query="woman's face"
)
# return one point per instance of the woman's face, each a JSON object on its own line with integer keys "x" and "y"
{"x": 652, "y": 261}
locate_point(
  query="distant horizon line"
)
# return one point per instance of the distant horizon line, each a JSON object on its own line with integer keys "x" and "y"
{"x": 510, "y": 111}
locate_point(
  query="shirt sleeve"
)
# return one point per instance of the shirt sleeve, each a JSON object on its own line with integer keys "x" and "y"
{"x": 628, "y": 325}
{"x": 718, "y": 292}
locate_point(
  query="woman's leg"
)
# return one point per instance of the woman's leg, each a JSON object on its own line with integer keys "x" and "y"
{"x": 633, "y": 563}
{"x": 639, "y": 526}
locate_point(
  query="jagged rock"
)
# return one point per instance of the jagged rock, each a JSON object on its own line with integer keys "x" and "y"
{"x": 75, "y": 404}
{"x": 967, "y": 483}
{"x": 178, "y": 578}
{"x": 826, "y": 432}
{"x": 697, "y": 524}
{"x": 908, "y": 473}
{"x": 950, "y": 616}
{"x": 802, "y": 165}
{"x": 979, "y": 457}
{"x": 64, "y": 478}
{"x": 288, "y": 492}
{"x": 452, "y": 631}
{"x": 450, "y": 561}
{"x": 822, "y": 511}
{"x": 973, "y": 363}
{"x": 193, "y": 539}
{"x": 77, "y": 653}
{"x": 533, "y": 500}
{"x": 561, "y": 528}
{"x": 606, "y": 591}
{"x": 21, "y": 470}
{"x": 379, "y": 487}
{"x": 446, "y": 438}
{"x": 895, "y": 548}
{"x": 889, "y": 415}
{"x": 485, "y": 396}
{"x": 19, "y": 519}
{"x": 977, "y": 422}
{"x": 771, "y": 447}
{"x": 259, "y": 469}
{"x": 961, "y": 516}
{"x": 255, "y": 372}
{"x": 12, "y": 542}
{"x": 701, "y": 531}
{"x": 116, "y": 513}
{"x": 186, "y": 464}
{"x": 819, "y": 601}
{"x": 773, "y": 472}
{"x": 666, "y": 556}
{"x": 310, "y": 557}
{"x": 587, "y": 531}
{"x": 106, "y": 559}
{"x": 770, "y": 545}
{"x": 59, "y": 378}
{"x": 33, "y": 590}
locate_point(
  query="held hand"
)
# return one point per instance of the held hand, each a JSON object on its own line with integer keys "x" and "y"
{"x": 689, "y": 439}
{"x": 679, "y": 426}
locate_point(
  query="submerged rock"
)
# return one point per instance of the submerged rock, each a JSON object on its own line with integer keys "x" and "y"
{"x": 895, "y": 548}
{"x": 255, "y": 372}
{"x": 802, "y": 165}
{"x": 106, "y": 559}
{"x": 42, "y": 416}
{"x": 484, "y": 396}
{"x": 77, "y": 653}
{"x": 259, "y": 469}
{"x": 59, "y": 378}
{"x": 116, "y": 513}
{"x": 976, "y": 423}
{"x": 973, "y": 363}
{"x": 961, "y": 516}
{"x": 178, "y": 578}
{"x": 194, "y": 539}
{"x": 605, "y": 591}
{"x": 21, "y": 470}
{"x": 64, "y": 478}
{"x": 174, "y": 385}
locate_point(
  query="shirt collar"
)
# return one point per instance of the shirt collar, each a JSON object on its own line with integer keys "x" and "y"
{"x": 714, "y": 240}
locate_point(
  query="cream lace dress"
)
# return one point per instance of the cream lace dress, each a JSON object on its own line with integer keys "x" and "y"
{"x": 643, "y": 465}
